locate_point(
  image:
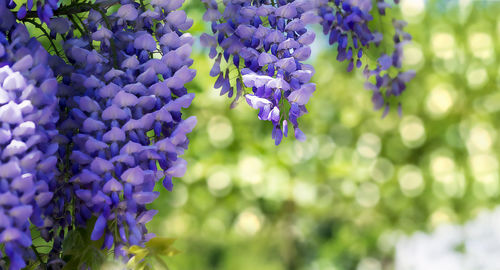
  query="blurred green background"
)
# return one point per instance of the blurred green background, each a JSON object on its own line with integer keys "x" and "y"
{"x": 341, "y": 199}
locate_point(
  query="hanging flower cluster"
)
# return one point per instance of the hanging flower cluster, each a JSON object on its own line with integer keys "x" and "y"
{"x": 267, "y": 44}
{"x": 28, "y": 154}
{"x": 346, "y": 22}
{"x": 386, "y": 85}
{"x": 125, "y": 122}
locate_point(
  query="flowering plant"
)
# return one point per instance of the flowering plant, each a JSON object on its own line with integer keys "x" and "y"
{"x": 90, "y": 122}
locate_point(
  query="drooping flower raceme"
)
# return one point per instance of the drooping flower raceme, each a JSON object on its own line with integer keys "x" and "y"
{"x": 346, "y": 24}
{"x": 27, "y": 153}
{"x": 385, "y": 85}
{"x": 265, "y": 44}
{"x": 125, "y": 97}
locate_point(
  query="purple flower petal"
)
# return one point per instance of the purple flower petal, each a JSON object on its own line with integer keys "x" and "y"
{"x": 11, "y": 113}
{"x": 5, "y": 135}
{"x": 102, "y": 34}
{"x": 15, "y": 147}
{"x": 299, "y": 135}
{"x": 145, "y": 42}
{"x": 101, "y": 166}
{"x": 126, "y": 159}
{"x": 385, "y": 61}
{"x": 10, "y": 169}
{"x": 171, "y": 40}
{"x": 181, "y": 102}
{"x": 302, "y": 53}
{"x": 23, "y": 64}
{"x": 145, "y": 197}
{"x": 88, "y": 105}
{"x": 127, "y": 12}
{"x": 295, "y": 25}
{"x": 92, "y": 145}
{"x": 131, "y": 147}
{"x": 165, "y": 145}
{"x": 266, "y": 58}
{"x": 124, "y": 99}
{"x": 21, "y": 213}
{"x": 84, "y": 195}
{"x": 130, "y": 63}
{"x": 257, "y": 102}
{"x": 99, "y": 228}
{"x": 108, "y": 91}
{"x": 24, "y": 129}
{"x": 115, "y": 134}
{"x": 255, "y": 80}
{"x": 114, "y": 112}
{"x": 112, "y": 185}
{"x": 14, "y": 81}
{"x": 288, "y": 44}
{"x": 146, "y": 217}
{"x": 245, "y": 31}
{"x": 80, "y": 157}
{"x": 134, "y": 176}
{"x": 147, "y": 102}
{"x": 303, "y": 76}
{"x": 287, "y": 64}
{"x": 43, "y": 198}
{"x": 23, "y": 183}
{"x": 91, "y": 125}
{"x": 47, "y": 165}
{"x": 86, "y": 177}
{"x": 278, "y": 83}
{"x": 184, "y": 127}
{"x": 307, "y": 38}
{"x": 287, "y": 11}
{"x": 275, "y": 37}
{"x": 176, "y": 18}
{"x": 302, "y": 95}
{"x": 10, "y": 234}
{"x": 30, "y": 160}
{"x": 163, "y": 115}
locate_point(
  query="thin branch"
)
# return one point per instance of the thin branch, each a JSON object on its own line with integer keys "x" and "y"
{"x": 72, "y": 9}
{"x": 40, "y": 26}
{"x": 39, "y": 257}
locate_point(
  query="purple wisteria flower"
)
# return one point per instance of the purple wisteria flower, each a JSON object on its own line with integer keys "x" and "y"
{"x": 27, "y": 152}
{"x": 124, "y": 100}
{"x": 264, "y": 44}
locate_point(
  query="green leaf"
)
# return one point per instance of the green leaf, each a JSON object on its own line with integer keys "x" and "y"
{"x": 94, "y": 258}
{"x": 73, "y": 243}
{"x": 161, "y": 245}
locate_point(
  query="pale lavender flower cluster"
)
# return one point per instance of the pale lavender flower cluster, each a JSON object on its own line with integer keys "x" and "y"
{"x": 28, "y": 154}
{"x": 264, "y": 44}
{"x": 124, "y": 101}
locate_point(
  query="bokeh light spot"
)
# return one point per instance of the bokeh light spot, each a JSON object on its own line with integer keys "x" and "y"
{"x": 412, "y": 131}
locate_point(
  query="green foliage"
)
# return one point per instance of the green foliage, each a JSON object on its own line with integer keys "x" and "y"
{"x": 144, "y": 257}
{"x": 79, "y": 251}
